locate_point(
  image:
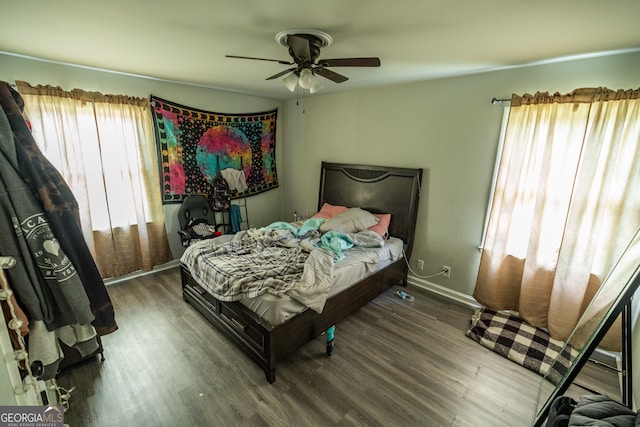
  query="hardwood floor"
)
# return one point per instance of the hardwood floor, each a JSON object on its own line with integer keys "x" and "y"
{"x": 395, "y": 364}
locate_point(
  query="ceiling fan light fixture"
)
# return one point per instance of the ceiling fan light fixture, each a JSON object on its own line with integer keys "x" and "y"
{"x": 304, "y": 47}
{"x": 316, "y": 86}
{"x": 290, "y": 81}
{"x": 306, "y": 79}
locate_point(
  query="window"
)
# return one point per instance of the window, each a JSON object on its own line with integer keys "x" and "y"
{"x": 103, "y": 146}
{"x": 563, "y": 208}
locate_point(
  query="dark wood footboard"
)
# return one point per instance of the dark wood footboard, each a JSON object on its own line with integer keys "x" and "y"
{"x": 266, "y": 344}
{"x": 238, "y": 323}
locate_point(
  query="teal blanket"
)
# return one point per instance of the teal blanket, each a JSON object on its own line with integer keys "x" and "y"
{"x": 336, "y": 242}
{"x": 333, "y": 242}
{"x": 311, "y": 224}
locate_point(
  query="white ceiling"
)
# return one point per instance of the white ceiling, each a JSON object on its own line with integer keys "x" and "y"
{"x": 187, "y": 40}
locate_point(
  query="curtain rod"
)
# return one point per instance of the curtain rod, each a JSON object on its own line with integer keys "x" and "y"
{"x": 495, "y": 101}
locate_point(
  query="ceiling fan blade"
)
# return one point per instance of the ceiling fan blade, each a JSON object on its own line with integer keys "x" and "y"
{"x": 261, "y": 59}
{"x": 281, "y": 73}
{"x": 331, "y": 75}
{"x": 350, "y": 62}
{"x": 299, "y": 47}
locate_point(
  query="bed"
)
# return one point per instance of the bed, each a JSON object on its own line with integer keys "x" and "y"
{"x": 376, "y": 189}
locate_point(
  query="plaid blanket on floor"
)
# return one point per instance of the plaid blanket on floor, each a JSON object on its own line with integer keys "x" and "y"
{"x": 522, "y": 343}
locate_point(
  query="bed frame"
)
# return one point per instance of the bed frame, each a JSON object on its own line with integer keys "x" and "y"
{"x": 373, "y": 188}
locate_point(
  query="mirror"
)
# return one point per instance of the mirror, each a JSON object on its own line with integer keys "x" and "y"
{"x": 612, "y": 300}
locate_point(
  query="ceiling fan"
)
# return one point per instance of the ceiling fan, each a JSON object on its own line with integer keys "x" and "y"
{"x": 304, "y": 48}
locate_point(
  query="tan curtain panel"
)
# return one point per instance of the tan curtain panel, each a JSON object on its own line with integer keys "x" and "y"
{"x": 565, "y": 205}
{"x": 103, "y": 146}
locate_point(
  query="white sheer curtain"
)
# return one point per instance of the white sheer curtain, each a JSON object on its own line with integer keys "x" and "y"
{"x": 104, "y": 148}
{"x": 565, "y": 205}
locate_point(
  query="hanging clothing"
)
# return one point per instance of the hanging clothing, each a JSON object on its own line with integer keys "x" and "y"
{"x": 235, "y": 218}
{"x": 44, "y": 278}
{"x": 220, "y": 198}
{"x": 235, "y": 179}
{"x": 44, "y": 194}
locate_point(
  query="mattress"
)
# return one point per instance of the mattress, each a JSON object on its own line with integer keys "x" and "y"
{"x": 358, "y": 264}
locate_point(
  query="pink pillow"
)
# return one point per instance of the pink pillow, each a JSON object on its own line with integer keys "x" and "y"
{"x": 382, "y": 227}
{"x": 328, "y": 211}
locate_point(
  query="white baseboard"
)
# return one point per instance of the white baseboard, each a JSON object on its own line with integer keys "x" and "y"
{"x": 171, "y": 264}
{"x": 456, "y": 296}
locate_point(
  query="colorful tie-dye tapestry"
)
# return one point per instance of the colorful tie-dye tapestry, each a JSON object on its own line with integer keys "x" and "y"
{"x": 195, "y": 145}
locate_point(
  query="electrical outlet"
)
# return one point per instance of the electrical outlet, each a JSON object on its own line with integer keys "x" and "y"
{"x": 420, "y": 264}
{"x": 446, "y": 271}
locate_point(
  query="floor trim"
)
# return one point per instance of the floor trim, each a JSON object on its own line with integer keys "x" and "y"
{"x": 171, "y": 264}
{"x": 456, "y": 296}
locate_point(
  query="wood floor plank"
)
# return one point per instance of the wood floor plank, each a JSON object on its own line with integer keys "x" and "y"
{"x": 395, "y": 363}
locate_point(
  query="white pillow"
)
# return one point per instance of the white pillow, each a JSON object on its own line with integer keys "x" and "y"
{"x": 353, "y": 220}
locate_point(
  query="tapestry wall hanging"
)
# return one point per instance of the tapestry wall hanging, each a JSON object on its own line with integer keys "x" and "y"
{"x": 195, "y": 145}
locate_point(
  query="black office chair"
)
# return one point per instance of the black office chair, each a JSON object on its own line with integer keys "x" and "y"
{"x": 197, "y": 220}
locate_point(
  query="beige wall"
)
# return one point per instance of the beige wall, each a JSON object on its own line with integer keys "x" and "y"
{"x": 447, "y": 127}
{"x": 263, "y": 208}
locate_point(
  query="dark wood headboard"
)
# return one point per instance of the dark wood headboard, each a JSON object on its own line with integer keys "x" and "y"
{"x": 377, "y": 189}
